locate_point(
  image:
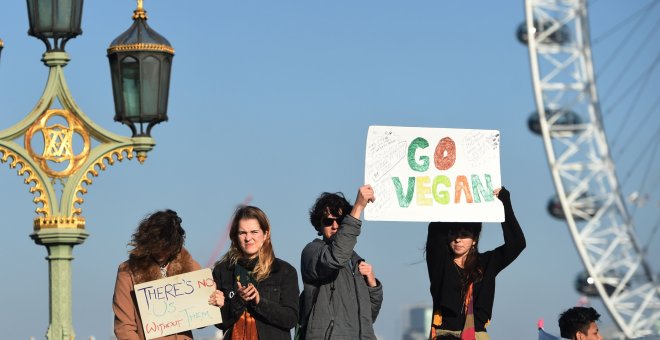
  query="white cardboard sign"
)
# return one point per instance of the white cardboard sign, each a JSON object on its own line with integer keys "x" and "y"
{"x": 433, "y": 174}
{"x": 177, "y": 303}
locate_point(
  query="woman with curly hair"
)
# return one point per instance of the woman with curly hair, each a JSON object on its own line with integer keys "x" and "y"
{"x": 462, "y": 278}
{"x": 157, "y": 253}
{"x": 257, "y": 293}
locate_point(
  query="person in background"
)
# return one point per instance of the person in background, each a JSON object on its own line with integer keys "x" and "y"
{"x": 257, "y": 293}
{"x": 341, "y": 297}
{"x": 463, "y": 279}
{"x": 579, "y": 323}
{"x": 157, "y": 253}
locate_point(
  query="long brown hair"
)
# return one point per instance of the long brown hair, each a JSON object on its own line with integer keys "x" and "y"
{"x": 472, "y": 270}
{"x": 266, "y": 253}
{"x": 158, "y": 233}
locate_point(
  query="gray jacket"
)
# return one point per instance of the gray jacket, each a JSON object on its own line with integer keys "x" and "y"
{"x": 346, "y": 307}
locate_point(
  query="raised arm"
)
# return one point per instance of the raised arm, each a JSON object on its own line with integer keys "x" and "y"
{"x": 365, "y": 195}
{"x": 436, "y": 252}
{"x": 321, "y": 260}
{"x": 514, "y": 239}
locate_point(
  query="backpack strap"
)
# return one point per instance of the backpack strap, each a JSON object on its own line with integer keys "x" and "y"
{"x": 301, "y": 327}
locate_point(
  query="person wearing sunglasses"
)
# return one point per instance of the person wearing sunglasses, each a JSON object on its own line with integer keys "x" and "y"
{"x": 341, "y": 297}
{"x": 462, "y": 278}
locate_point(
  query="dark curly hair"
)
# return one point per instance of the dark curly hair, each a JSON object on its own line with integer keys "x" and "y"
{"x": 576, "y": 319}
{"x": 328, "y": 203}
{"x": 157, "y": 233}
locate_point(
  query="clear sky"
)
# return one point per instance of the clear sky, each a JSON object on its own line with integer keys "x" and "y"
{"x": 273, "y": 99}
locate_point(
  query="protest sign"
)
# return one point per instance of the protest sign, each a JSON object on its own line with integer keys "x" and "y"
{"x": 433, "y": 174}
{"x": 177, "y": 303}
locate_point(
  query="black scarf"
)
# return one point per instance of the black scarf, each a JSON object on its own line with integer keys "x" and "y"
{"x": 243, "y": 272}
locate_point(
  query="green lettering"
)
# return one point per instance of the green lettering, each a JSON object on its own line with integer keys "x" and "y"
{"x": 441, "y": 197}
{"x": 418, "y": 143}
{"x": 478, "y": 189}
{"x": 404, "y": 201}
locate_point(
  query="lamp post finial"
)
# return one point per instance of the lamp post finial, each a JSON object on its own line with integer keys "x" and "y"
{"x": 140, "y": 13}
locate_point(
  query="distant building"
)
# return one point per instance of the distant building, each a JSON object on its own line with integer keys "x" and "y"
{"x": 417, "y": 322}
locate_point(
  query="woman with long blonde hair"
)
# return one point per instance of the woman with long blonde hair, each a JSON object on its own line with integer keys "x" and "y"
{"x": 257, "y": 292}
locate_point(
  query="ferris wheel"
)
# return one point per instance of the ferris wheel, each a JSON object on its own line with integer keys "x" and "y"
{"x": 588, "y": 194}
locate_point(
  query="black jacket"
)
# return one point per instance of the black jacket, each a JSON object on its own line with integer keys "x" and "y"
{"x": 445, "y": 283}
{"x": 277, "y": 311}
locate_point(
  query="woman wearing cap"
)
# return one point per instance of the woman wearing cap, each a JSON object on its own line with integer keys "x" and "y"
{"x": 462, "y": 279}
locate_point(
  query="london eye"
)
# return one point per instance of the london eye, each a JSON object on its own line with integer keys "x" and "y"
{"x": 570, "y": 118}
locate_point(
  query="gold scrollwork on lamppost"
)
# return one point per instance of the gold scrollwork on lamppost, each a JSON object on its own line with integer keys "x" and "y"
{"x": 36, "y": 187}
{"x": 100, "y": 164}
{"x": 58, "y": 143}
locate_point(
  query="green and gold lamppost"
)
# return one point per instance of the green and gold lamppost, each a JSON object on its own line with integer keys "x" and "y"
{"x": 58, "y": 149}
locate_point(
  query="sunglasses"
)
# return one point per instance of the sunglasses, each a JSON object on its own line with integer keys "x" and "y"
{"x": 327, "y": 221}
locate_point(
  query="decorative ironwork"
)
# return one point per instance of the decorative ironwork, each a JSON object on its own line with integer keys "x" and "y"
{"x": 139, "y": 13}
{"x": 108, "y": 157}
{"x": 60, "y": 222}
{"x": 38, "y": 187}
{"x": 141, "y": 47}
{"x": 58, "y": 143}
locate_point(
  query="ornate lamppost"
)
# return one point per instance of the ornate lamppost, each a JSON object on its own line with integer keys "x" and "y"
{"x": 63, "y": 149}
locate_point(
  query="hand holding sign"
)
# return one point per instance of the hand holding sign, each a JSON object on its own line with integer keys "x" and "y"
{"x": 217, "y": 299}
{"x": 365, "y": 195}
{"x": 177, "y": 303}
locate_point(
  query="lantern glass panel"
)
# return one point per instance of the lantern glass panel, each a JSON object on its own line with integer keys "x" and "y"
{"x": 45, "y": 16}
{"x": 150, "y": 82}
{"x": 55, "y": 19}
{"x": 130, "y": 79}
{"x": 165, "y": 84}
{"x": 64, "y": 16}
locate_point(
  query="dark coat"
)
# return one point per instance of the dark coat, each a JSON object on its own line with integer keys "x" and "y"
{"x": 346, "y": 306}
{"x": 445, "y": 282}
{"x": 277, "y": 311}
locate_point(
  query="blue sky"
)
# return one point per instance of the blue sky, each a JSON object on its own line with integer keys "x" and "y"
{"x": 273, "y": 99}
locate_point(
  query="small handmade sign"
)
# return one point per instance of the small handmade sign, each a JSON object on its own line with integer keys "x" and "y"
{"x": 177, "y": 303}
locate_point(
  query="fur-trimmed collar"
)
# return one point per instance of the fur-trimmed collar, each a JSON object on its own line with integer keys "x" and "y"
{"x": 182, "y": 263}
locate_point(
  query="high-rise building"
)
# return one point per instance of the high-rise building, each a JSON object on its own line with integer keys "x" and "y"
{"x": 417, "y": 322}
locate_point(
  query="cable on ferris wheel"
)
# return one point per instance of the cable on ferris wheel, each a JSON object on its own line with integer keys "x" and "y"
{"x": 588, "y": 194}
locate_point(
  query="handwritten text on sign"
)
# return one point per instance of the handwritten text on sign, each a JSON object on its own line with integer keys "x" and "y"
{"x": 177, "y": 303}
{"x": 433, "y": 174}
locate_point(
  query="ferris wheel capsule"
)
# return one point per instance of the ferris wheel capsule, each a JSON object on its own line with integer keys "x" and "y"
{"x": 554, "y": 35}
